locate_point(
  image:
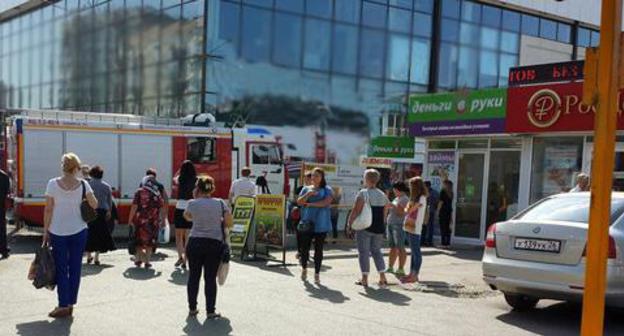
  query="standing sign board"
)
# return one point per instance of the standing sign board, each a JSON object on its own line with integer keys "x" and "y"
{"x": 242, "y": 217}
{"x": 458, "y": 113}
{"x": 270, "y": 220}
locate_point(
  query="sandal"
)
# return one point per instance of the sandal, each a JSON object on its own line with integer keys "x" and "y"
{"x": 179, "y": 262}
{"x": 361, "y": 283}
{"x": 383, "y": 284}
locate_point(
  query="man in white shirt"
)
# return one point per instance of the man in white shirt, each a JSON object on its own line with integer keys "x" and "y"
{"x": 242, "y": 186}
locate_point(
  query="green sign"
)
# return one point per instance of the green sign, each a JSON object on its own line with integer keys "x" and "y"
{"x": 392, "y": 147}
{"x": 461, "y": 105}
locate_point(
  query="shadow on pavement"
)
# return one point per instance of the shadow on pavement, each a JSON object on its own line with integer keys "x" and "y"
{"x": 57, "y": 327}
{"x": 137, "y": 273}
{"x": 217, "y": 327}
{"x": 385, "y": 295}
{"x": 94, "y": 269}
{"x": 325, "y": 293}
{"x": 179, "y": 277}
{"x": 555, "y": 320}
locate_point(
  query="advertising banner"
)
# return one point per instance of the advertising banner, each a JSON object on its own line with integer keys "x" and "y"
{"x": 343, "y": 179}
{"x": 270, "y": 219}
{"x": 440, "y": 167}
{"x": 560, "y": 165}
{"x": 242, "y": 216}
{"x": 392, "y": 147}
{"x": 546, "y": 73}
{"x": 551, "y": 108}
{"x": 458, "y": 113}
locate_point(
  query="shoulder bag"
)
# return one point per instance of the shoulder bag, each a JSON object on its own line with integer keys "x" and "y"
{"x": 87, "y": 213}
{"x": 365, "y": 219}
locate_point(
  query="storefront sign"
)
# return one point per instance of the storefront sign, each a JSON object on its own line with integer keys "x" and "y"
{"x": 440, "y": 167}
{"x": 546, "y": 73}
{"x": 392, "y": 147}
{"x": 459, "y": 113}
{"x": 551, "y": 108}
{"x": 374, "y": 162}
{"x": 242, "y": 216}
{"x": 270, "y": 219}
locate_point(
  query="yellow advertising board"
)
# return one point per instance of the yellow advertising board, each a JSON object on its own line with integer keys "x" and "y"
{"x": 242, "y": 216}
{"x": 270, "y": 219}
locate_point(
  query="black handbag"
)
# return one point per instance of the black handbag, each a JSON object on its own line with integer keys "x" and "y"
{"x": 87, "y": 213}
{"x": 45, "y": 270}
{"x": 131, "y": 241}
{"x": 305, "y": 226}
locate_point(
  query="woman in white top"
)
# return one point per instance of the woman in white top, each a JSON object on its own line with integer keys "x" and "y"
{"x": 65, "y": 230}
{"x": 413, "y": 224}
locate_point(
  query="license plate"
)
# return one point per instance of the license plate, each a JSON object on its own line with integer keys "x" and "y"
{"x": 542, "y": 245}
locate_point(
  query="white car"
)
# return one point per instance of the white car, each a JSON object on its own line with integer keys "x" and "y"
{"x": 540, "y": 253}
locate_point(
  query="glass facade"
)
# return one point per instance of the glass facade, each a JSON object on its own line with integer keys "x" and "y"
{"x": 252, "y": 58}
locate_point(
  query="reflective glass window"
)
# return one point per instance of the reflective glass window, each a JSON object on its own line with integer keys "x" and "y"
{"x": 317, "y": 47}
{"x": 374, "y": 15}
{"x": 488, "y": 69}
{"x": 511, "y": 21}
{"x": 398, "y": 57}
{"x": 583, "y": 38}
{"x": 421, "y": 53}
{"x": 422, "y": 24}
{"x": 563, "y": 32}
{"x": 450, "y": 30}
{"x": 256, "y": 34}
{"x": 407, "y": 4}
{"x": 510, "y": 42}
{"x": 489, "y": 38}
{"x": 448, "y": 65}
{"x": 468, "y": 65}
{"x": 450, "y": 8}
{"x": 506, "y": 61}
{"x": 469, "y": 33}
{"x": 228, "y": 21}
{"x": 548, "y": 29}
{"x": 399, "y": 20}
{"x": 424, "y": 5}
{"x": 345, "y": 48}
{"x": 290, "y": 5}
{"x": 320, "y": 8}
{"x": 530, "y": 25}
{"x": 595, "y": 38}
{"x": 192, "y": 10}
{"x": 491, "y": 16}
{"x": 471, "y": 11}
{"x": 287, "y": 49}
{"x": 370, "y": 88}
{"x": 371, "y": 53}
{"x": 263, "y": 3}
{"x": 347, "y": 10}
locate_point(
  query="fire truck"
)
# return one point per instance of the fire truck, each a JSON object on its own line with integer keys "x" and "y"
{"x": 125, "y": 146}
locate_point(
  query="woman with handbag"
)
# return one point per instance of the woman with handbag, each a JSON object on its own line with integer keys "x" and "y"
{"x": 207, "y": 243}
{"x": 186, "y": 183}
{"x": 145, "y": 219}
{"x": 370, "y": 235}
{"x": 64, "y": 227}
{"x": 315, "y": 222}
{"x": 413, "y": 224}
{"x": 99, "y": 238}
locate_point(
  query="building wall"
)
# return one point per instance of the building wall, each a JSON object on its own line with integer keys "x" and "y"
{"x": 535, "y": 50}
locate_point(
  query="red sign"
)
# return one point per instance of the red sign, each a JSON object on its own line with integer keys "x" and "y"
{"x": 546, "y": 73}
{"x": 552, "y": 108}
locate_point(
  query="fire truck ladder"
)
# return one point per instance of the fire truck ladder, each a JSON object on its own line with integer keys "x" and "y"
{"x": 75, "y": 116}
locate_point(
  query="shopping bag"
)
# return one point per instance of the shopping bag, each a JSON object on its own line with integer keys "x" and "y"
{"x": 44, "y": 269}
{"x": 164, "y": 234}
{"x": 222, "y": 272}
{"x": 365, "y": 219}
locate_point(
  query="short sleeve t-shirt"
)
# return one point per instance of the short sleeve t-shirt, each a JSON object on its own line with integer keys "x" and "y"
{"x": 208, "y": 215}
{"x": 66, "y": 217}
{"x": 378, "y": 201}
{"x": 393, "y": 217}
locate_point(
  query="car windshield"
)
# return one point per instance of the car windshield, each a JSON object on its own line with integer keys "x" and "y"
{"x": 568, "y": 209}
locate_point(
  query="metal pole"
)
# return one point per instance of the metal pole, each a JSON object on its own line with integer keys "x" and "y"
{"x": 602, "y": 168}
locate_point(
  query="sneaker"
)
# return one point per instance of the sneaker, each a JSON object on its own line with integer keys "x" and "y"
{"x": 400, "y": 273}
{"x": 389, "y": 270}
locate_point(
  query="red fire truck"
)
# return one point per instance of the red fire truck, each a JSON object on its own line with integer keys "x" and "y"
{"x": 125, "y": 146}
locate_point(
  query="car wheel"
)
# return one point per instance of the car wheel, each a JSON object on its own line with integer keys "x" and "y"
{"x": 521, "y": 302}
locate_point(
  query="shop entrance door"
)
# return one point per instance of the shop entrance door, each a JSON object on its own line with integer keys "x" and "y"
{"x": 471, "y": 176}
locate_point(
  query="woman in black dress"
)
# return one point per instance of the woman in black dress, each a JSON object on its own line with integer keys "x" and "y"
{"x": 445, "y": 210}
{"x": 186, "y": 184}
{"x": 99, "y": 239}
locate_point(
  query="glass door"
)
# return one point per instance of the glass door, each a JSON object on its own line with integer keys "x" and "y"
{"x": 469, "y": 195}
{"x": 503, "y": 186}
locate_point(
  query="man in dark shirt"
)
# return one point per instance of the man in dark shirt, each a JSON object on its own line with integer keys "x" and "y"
{"x": 426, "y": 239}
{"x": 5, "y": 186}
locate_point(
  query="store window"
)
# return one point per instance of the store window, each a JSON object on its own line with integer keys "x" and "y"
{"x": 556, "y": 161}
{"x": 201, "y": 150}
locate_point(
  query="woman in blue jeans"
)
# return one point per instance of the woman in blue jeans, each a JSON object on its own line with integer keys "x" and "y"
{"x": 66, "y": 232}
{"x": 370, "y": 240}
{"x": 413, "y": 225}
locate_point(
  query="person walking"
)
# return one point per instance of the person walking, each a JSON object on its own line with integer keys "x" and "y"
{"x": 164, "y": 210}
{"x": 211, "y": 217}
{"x": 145, "y": 217}
{"x": 396, "y": 235}
{"x": 315, "y": 200}
{"x": 426, "y": 238}
{"x": 414, "y": 220}
{"x": 445, "y": 212}
{"x": 5, "y": 187}
{"x": 99, "y": 239}
{"x": 307, "y": 180}
{"x": 66, "y": 231}
{"x": 370, "y": 240}
{"x": 186, "y": 184}
{"x": 242, "y": 186}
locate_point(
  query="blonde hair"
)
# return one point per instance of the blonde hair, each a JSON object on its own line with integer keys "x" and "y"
{"x": 205, "y": 184}
{"x": 372, "y": 175}
{"x": 417, "y": 189}
{"x": 70, "y": 163}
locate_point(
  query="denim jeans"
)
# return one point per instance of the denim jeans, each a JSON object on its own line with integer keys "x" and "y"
{"x": 416, "y": 256}
{"x": 67, "y": 252}
{"x": 203, "y": 254}
{"x": 369, "y": 244}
